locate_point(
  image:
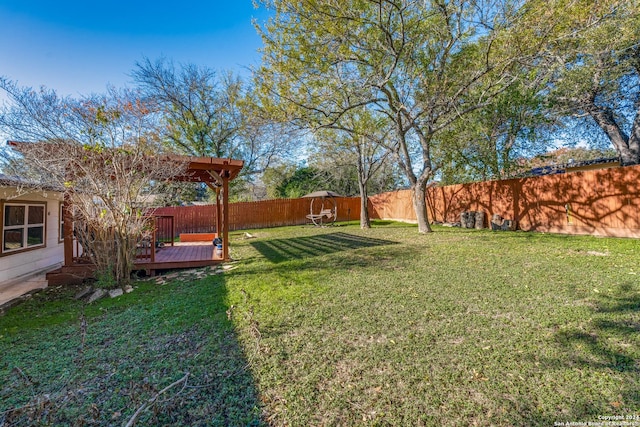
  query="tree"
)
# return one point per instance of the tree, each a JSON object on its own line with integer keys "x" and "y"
{"x": 424, "y": 65}
{"x": 102, "y": 152}
{"x": 304, "y": 180}
{"x": 199, "y": 110}
{"x": 174, "y": 193}
{"x": 205, "y": 113}
{"x": 355, "y": 146}
{"x": 274, "y": 176}
{"x": 349, "y": 146}
{"x": 490, "y": 142}
{"x": 596, "y": 72}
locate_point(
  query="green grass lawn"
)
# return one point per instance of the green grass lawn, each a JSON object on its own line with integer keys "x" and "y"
{"x": 342, "y": 326}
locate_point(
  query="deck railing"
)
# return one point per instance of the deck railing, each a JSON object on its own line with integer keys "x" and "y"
{"x": 163, "y": 227}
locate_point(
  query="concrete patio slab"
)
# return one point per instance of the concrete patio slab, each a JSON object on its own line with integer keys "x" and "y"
{"x": 21, "y": 286}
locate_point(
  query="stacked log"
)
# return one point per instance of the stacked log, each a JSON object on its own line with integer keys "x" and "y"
{"x": 472, "y": 219}
{"x": 479, "y": 220}
{"x": 499, "y": 223}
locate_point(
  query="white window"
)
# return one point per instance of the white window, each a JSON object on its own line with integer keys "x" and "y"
{"x": 23, "y": 226}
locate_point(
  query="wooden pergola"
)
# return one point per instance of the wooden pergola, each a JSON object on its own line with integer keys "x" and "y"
{"x": 214, "y": 172}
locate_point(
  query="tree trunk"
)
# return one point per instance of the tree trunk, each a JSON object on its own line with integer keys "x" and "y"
{"x": 629, "y": 153}
{"x": 634, "y": 137}
{"x": 420, "y": 205}
{"x": 365, "y": 220}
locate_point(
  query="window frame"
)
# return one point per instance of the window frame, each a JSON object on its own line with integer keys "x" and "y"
{"x": 61, "y": 222}
{"x": 24, "y": 227}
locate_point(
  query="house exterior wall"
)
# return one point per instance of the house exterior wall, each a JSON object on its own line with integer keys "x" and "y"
{"x": 22, "y": 264}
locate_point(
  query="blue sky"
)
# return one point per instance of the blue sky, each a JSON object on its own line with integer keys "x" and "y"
{"x": 79, "y": 47}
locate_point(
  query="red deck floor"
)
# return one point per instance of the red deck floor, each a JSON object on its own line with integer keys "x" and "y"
{"x": 181, "y": 255}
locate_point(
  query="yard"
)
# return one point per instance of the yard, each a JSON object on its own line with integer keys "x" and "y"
{"x": 342, "y": 326}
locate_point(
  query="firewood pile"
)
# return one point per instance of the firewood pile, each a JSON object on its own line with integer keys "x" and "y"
{"x": 472, "y": 219}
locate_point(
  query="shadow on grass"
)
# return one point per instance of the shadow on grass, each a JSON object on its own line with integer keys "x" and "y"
{"x": 385, "y": 222}
{"x": 615, "y": 321}
{"x": 281, "y": 250}
{"x": 604, "y": 347}
{"x": 100, "y": 371}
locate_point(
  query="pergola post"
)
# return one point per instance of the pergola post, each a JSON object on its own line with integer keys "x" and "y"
{"x": 219, "y": 221}
{"x": 218, "y": 214}
{"x": 67, "y": 232}
{"x": 225, "y": 216}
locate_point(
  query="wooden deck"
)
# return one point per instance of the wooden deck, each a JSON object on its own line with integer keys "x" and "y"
{"x": 180, "y": 255}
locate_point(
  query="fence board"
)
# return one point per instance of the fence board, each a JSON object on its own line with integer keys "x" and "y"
{"x": 601, "y": 202}
{"x": 248, "y": 215}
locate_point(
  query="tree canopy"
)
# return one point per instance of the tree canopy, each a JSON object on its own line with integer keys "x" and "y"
{"x": 595, "y": 72}
{"x": 431, "y": 67}
{"x": 422, "y": 65}
{"x": 102, "y": 152}
{"x": 206, "y": 113}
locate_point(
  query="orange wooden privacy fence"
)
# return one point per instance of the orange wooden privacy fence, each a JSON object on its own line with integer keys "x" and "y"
{"x": 247, "y": 215}
{"x": 602, "y": 202}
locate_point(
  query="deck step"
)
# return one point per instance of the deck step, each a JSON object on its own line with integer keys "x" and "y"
{"x": 69, "y": 275}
